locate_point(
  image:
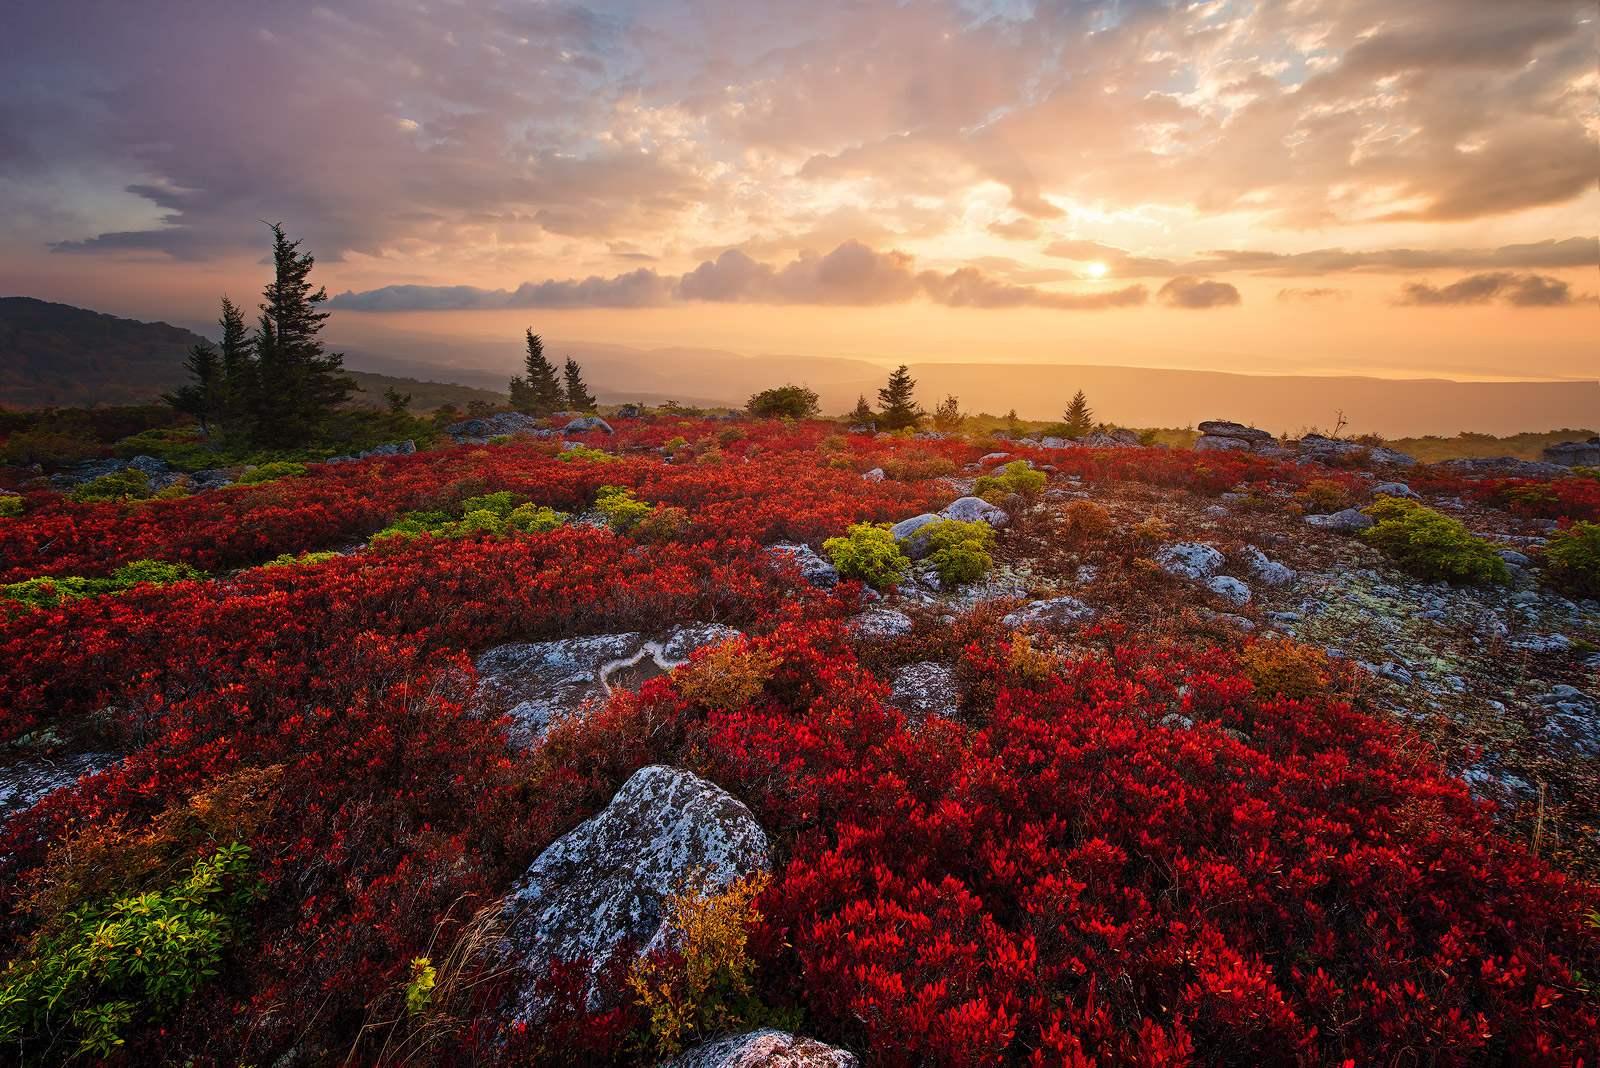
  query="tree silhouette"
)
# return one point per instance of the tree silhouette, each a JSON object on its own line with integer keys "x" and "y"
{"x": 536, "y": 391}
{"x": 1078, "y": 417}
{"x": 863, "y": 415}
{"x": 578, "y": 396}
{"x": 895, "y": 401}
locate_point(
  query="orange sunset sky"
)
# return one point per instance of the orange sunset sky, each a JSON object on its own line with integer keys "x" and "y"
{"x": 1401, "y": 189}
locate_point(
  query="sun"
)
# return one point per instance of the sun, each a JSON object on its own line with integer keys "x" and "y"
{"x": 1095, "y": 270}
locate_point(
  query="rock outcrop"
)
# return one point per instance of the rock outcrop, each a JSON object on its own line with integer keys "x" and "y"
{"x": 607, "y": 880}
{"x": 813, "y": 568}
{"x": 763, "y": 1049}
{"x": 1574, "y": 453}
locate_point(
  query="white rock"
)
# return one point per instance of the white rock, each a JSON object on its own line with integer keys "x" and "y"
{"x": 1229, "y": 589}
{"x": 608, "y": 878}
{"x": 1348, "y": 521}
{"x": 910, "y": 536}
{"x": 813, "y": 568}
{"x": 880, "y": 623}
{"x": 975, "y": 510}
{"x": 1267, "y": 572}
{"x": 26, "y": 784}
{"x": 875, "y": 475}
{"x": 925, "y": 690}
{"x": 1057, "y": 610}
{"x": 763, "y": 1049}
{"x": 1189, "y": 559}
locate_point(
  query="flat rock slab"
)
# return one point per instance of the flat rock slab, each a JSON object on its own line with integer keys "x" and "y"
{"x": 667, "y": 830}
{"x": 24, "y": 785}
{"x": 1191, "y": 560}
{"x": 1057, "y": 610}
{"x": 924, "y": 690}
{"x": 1224, "y": 429}
{"x": 764, "y": 1049}
{"x": 541, "y": 684}
{"x": 880, "y": 623}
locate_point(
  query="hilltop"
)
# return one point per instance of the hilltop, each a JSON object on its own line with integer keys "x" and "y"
{"x": 587, "y": 741}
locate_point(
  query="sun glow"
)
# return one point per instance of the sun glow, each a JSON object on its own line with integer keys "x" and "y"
{"x": 1095, "y": 270}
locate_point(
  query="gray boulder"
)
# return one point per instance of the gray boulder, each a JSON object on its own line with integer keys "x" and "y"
{"x": 1394, "y": 489}
{"x": 1229, "y": 589}
{"x": 1499, "y": 467}
{"x": 975, "y": 510}
{"x": 1211, "y": 443}
{"x": 541, "y": 684}
{"x": 813, "y": 568}
{"x": 1574, "y": 453}
{"x": 608, "y": 879}
{"x": 909, "y": 534}
{"x": 629, "y": 411}
{"x": 26, "y": 784}
{"x": 993, "y": 458}
{"x": 763, "y": 1049}
{"x": 1125, "y": 437}
{"x": 1191, "y": 560}
{"x": 1057, "y": 443}
{"x": 1348, "y": 521}
{"x": 1265, "y": 571}
{"x": 875, "y": 475}
{"x": 1220, "y": 428}
{"x": 585, "y": 424}
{"x": 877, "y": 623}
{"x": 1058, "y": 611}
{"x": 1100, "y": 440}
{"x": 925, "y": 690}
{"x": 1316, "y": 446}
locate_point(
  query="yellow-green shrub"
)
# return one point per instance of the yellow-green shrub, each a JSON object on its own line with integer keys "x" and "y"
{"x": 270, "y": 472}
{"x": 129, "y": 485}
{"x": 868, "y": 552}
{"x": 727, "y": 677}
{"x": 1574, "y": 558}
{"x": 960, "y": 550}
{"x": 1431, "y": 545}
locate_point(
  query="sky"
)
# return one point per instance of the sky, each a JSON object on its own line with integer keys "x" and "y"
{"x": 1411, "y": 188}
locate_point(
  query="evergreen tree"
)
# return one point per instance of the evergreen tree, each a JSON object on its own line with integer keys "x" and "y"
{"x": 297, "y": 386}
{"x": 536, "y": 391}
{"x": 578, "y": 398}
{"x": 863, "y": 415}
{"x": 895, "y": 401}
{"x": 203, "y": 397}
{"x": 1078, "y": 417}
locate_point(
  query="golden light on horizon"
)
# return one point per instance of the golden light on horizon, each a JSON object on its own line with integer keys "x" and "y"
{"x": 1095, "y": 270}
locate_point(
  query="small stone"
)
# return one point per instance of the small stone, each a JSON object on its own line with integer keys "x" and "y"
{"x": 1229, "y": 589}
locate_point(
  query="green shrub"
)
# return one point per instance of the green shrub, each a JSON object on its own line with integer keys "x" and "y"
{"x": 620, "y": 508}
{"x": 10, "y": 507}
{"x": 868, "y": 552}
{"x": 1574, "y": 558}
{"x": 535, "y": 519}
{"x": 117, "y": 486}
{"x": 960, "y": 550}
{"x": 674, "y": 444}
{"x": 301, "y": 560}
{"x": 271, "y": 472}
{"x": 50, "y": 592}
{"x": 1431, "y": 545}
{"x": 583, "y": 452}
{"x": 784, "y": 402}
{"x": 125, "y": 959}
{"x": 1016, "y": 477}
{"x": 158, "y": 442}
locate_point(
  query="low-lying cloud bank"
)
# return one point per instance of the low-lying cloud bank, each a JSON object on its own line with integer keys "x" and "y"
{"x": 1521, "y": 290}
{"x": 852, "y": 274}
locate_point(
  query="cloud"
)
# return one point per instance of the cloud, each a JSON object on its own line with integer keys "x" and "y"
{"x": 1019, "y": 229}
{"x": 1521, "y": 290}
{"x": 640, "y": 289}
{"x": 1313, "y": 296}
{"x": 851, "y": 275}
{"x": 1550, "y": 253}
{"x": 1187, "y": 291}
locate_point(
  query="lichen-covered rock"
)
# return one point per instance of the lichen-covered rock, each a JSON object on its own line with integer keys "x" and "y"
{"x": 607, "y": 879}
{"x": 1499, "y": 467}
{"x": 1394, "y": 489}
{"x": 1574, "y": 453}
{"x": 975, "y": 510}
{"x": 924, "y": 690}
{"x": 1316, "y": 446}
{"x": 1221, "y": 428}
{"x": 1211, "y": 443}
{"x": 584, "y": 424}
{"x": 875, "y": 475}
{"x": 1056, "y": 610}
{"x": 909, "y": 534}
{"x": 763, "y": 1049}
{"x": 1191, "y": 560}
{"x": 1348, "y": 521}
{"x": 1265, "y": 571}
{"x": 880, "y": 623}
{"x": 1229, "y": 589}
{"x": 541, "y": 684}
{"x": 23, "y": 785}
{"x": 813, "y": 568}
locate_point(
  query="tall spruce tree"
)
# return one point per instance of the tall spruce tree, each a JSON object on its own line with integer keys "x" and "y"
{"x": 862, "y": 414}
{"x": 297, "y": 385}
{"x": 578, "y": 397}
{"x": 896, "y": 403}
{"x": 203, "y": 396}
{"x": 536, "y": 391}
{"x": 1078, "y": 417}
